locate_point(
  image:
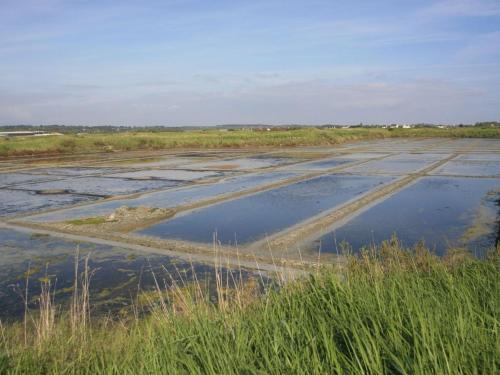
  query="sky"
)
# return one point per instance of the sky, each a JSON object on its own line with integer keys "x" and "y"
{"x": 208, "y": 62}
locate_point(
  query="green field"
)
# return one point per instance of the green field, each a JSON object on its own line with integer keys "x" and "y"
{"x": 391, "y": 311}
{"x": 128, "y": 141}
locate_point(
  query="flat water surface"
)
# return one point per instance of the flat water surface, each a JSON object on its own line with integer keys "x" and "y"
{"x": 250, "y": 218}
{"x": 172, "y": 198}
{"x": 19, "y": 201}
{"x": 101, "y": 186}
{"x": 119, "y": 275}
{"x": 438, "y": 209}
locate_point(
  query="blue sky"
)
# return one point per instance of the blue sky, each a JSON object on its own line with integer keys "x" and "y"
{"x": 214, "y": 62}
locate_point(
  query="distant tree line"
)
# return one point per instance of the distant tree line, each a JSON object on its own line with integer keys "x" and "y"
{"x": 75, "y": 129}
{"x": 487, "y": 124}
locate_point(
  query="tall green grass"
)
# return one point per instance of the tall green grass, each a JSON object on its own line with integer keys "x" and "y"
{"x": 388, "y": 311}
{"x": 109, "y": 142}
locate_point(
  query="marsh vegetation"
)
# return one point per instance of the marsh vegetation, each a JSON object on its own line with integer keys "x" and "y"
{"x": 148, "y": 304}
{"x": 129, "y": 141}
{"x": 390, "y": 310}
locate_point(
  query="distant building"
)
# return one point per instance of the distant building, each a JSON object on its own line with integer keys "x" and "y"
{"x": 400, "y": 126}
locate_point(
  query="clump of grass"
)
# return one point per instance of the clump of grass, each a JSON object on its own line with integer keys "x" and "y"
{"x": 87, "y": 221}
{"x": 390, "y": 311}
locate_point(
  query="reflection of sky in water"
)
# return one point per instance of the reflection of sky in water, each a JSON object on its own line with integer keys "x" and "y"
{"x": 7, "y": 179}
{"x": 18, "y": 201}
{"x": 390, "y": 166}
{"x": 399, "y": 163}
{"x": 480, "y": 157}
{"x": 243, "y": 163}
{"x": 118, "y": 272}
{"x": 100, "y": 185}
{"x": 74, "y": 171}
{"x": 252, "y": 217}
{"x": 171, "y": 174}
{"x": 172, "y": 198}
{"x": 321, "y": 164}
{"x": 470, "y": 168}
{"x": 436, "y": 209}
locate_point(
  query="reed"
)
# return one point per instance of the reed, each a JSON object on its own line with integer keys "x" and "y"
{"x": 214, "y": 139}
{"x": 390, "y": 310}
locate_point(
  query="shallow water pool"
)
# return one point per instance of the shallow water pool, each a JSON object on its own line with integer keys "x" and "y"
{"x": 474, "y": 168}
{"x": 119, "y": 275}
{"x": 19, "y": 201}
{"x": 251, "y": 218}
{"x": 437, "y": 209}
{"x": 102, "y": 186}
{"x": 171, "y": 198}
